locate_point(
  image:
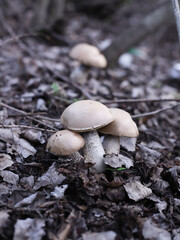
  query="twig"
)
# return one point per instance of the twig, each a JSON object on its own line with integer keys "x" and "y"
{"x": 37, "y": 115}
{"x": 28, "y": 114}
{"x": 17, "y": 37}
{"x": 155, "y": 112}
{"x": 24, "y": 113}
{"x": 26, "y": 127}
{"x": 175, "y": 4}
{"x": 131, "y": 100}
{"x": 48, "y": 119}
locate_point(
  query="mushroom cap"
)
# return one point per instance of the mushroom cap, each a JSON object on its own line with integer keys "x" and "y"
{"x": 86, "y": 115}
{"x": 123, "y": 125}
{"x": 65, "y": 143}
{"x": 88, "y": 55}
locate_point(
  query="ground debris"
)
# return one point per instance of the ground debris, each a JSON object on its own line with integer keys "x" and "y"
{"x": 26, "y": 201}
{"x": 55, "y": 197}
{"x": 24, "y": 148}
{"x": 15, "y": 143}
{"x": 150, "y": 156}
{"x": 137, "y": 191}
{"x": 116, "y": 161}
{"x": 128, "y": 143}
{"x": 29, "y": 229}
{"x": 152, "y": 231}
{"x": 9, "y": 177}
{"x": 33, "y": 135}
{"x": 5, "y": 161}
{"x": 3, "y": 218}
{"x": 59, "y": 191}
{"x": 50, "y": 178}
{"x": 109, "y": 235}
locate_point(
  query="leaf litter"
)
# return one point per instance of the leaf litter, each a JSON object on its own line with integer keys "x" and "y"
{"x": 45, "y": 196}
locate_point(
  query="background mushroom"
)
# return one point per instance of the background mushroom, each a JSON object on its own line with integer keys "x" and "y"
{"x": 87, "y": 116}
{"x": 87, "y": 55}
{"x": 65, "y": 143}
{"x": 122, "y": 126}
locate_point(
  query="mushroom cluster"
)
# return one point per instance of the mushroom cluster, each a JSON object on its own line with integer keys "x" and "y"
{"x": 86, "y": 117}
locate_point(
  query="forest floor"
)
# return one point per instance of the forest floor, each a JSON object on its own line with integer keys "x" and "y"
{"x": 52, "y": 197}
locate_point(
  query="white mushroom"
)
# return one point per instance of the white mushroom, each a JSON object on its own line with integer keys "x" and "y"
{"x": 65, "y": 143}
{"x": 87, "y": 116}
{"x": 122, "y": 126}
{"x": 87, "y": 55}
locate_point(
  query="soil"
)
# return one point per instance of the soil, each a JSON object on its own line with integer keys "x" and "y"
{"x": 56, "y": 197}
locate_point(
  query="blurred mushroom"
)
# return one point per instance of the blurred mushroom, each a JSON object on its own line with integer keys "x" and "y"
{"x": 87, "y": 116}
{"x": 65, "y": 143}
{"x": 122, "y": 126}
{"x": 87, "y": 55}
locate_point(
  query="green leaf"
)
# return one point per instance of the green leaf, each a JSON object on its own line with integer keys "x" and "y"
{"x": 55, "y": 87}
{"x": 115, "y": 169}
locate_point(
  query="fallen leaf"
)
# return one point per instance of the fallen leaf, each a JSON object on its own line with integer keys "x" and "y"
{"x": 26, "y": 201}
{"x": 33, "y": 135}
{"x": 3, "y": 218}
{"x": 9, "y": 135}
{"x": 137, "y": 191}
{"x": 150, "y": 156}
{"x": 14, "y": 143}
{"x": 51, "y": 177}
{"x": 118, "y": 161}
{"x": 27, "y": 182}
{"x": 29, "y": 229}
{"x": 9, "y": 177}
{"x": 151, "y": 231}
{"x": 24, "y": 148}
{"x": 5, "y": 161}
{"x": 109, "y": 235}
{"x": 128, "y": 143}
{"x": 59, "y": 191}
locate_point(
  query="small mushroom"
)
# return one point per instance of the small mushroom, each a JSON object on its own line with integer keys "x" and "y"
{"x": 122, "y": 126}
{"x": 87, "y": 116}
{"x": 87, "y": 55}
{"x": 65, "y": 143}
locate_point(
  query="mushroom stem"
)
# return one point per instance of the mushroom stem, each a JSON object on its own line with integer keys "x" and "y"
{"x": 94, "y": 151}
{"x": 80, "y": 74}
{"x": 111, "y": 144}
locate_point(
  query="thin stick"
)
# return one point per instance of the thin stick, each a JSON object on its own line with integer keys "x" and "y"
{"x": 155, "y": 112}
{"x": 26, "y": 127}
{"x": 17, "y": 37}
{"x": 28, "y": 114}
{"x": 131, "y": 100}
{"x": 48, "y": 119}
{"x": 175, "y": 4}
{"x": 37, "y": 115}
{"x": 24, "y": 113}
